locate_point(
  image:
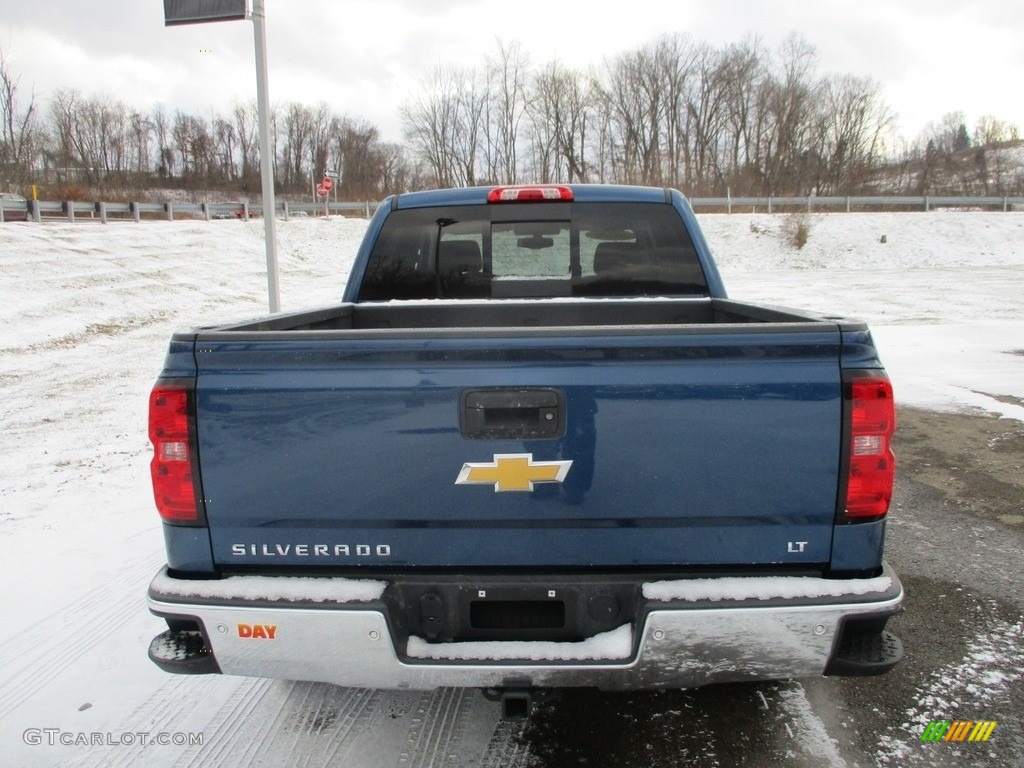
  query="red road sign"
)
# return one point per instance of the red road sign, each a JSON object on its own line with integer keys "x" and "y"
{"x": 327, "y": 183}
{"x": 322, "y": 190}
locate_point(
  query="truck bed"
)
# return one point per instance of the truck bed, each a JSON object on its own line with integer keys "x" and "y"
{"x": 675, "y": 315}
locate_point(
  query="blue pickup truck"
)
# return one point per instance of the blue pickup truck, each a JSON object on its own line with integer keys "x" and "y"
{"x": 534, "y": 445}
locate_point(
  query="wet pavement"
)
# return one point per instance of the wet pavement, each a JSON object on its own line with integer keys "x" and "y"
{"x": 956, "y": 537}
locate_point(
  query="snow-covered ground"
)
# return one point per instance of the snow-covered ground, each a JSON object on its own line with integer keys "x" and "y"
{"x": 85, "y": 314}
{"x": 943, "y": 294}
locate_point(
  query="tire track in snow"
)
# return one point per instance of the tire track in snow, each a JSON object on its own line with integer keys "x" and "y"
{"x": 507, "y": 748}
{"x": 808, "y": 732}
{"x": 314, "y": 724}
{"x": 237, "y": 733}
{"x": 48, "y": 647}
{"x": 330, "y": 718}
{"x": 179, "y": 706}
{"x": 438, "y": 729}
{"x": 296, "y": 724}
{"x": 173, "y": 708}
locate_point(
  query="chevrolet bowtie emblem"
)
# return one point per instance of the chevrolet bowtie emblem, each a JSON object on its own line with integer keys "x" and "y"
{"x": 513, "y": 472}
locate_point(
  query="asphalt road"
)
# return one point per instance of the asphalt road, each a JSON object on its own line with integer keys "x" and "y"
{"x": 956, "y": 536}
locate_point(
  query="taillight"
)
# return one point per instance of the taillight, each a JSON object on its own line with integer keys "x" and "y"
{"x": 872, "y": 465}
{"x": 171, "y": 467}
{"x": 535, "y": 194}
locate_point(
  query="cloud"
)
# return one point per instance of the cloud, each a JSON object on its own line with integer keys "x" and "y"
{"x": 366, "y": 57}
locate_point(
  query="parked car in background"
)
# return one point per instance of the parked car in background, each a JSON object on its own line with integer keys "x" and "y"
{"x": 13, "y": 207}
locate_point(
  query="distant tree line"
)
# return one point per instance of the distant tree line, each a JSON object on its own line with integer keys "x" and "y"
{"x": 681, "y": 113}
{"x": 108, "y": 146}
{"x": 105, "y": 145}
{"x": 675, "y": 112}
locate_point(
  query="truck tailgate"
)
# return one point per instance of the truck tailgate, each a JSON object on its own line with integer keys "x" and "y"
{"x": 686, "y": 448}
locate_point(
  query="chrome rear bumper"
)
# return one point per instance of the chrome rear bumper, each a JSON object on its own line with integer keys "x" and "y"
{"x": 673, "y": 644}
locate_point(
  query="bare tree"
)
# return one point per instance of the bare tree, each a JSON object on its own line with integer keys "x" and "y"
{"x": 634, "y": 96}
{"x": 245, "y": 122}
{"x": 949, "y": 133}
{"x": 19, "y": 134}
{"x": 545, "y": 102}
{"x": 140, "y": 135}
{"x": 323, "y": 126}
{"x": 62, "y": 107}
{"x": 445, "y": 124}
{"x": 708, "y": 110}
{"x": 81, "y": 125}
{"x": 576, "y": 116}
{"x": 470, "y": 126}
{"x": 786, "y": 100}
{"x": 298, "y": 125}
{"x": 162, "y": 134}
{"x": 742, "y": 70}
{"x": 990, "y": 134}
{"x": 603, "y": 141}
{"x": 855, "y": 116}
{"x": 110, "y": 120}
{"x": 356, "y": 146}
{"x": 990, "y": 130}
{"x": 195, "y": 145}
{"x": 224, "y": 140}
{"x": 506, "y": 106}
{"x": 395, "y": 174}
{"x": 561, "y": 106}
{"x": 944, "y": 168}
{"x": 674, "y": 60}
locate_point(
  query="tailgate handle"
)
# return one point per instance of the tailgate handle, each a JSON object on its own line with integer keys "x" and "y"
{"x": 512, "y": 414}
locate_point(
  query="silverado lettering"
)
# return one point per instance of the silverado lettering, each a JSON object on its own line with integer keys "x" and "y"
{"x": 570, "y": 437}
{"x": 310, "y": 550}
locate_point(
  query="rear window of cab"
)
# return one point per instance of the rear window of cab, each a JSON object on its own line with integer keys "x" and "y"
{"x": 533, "y": 250}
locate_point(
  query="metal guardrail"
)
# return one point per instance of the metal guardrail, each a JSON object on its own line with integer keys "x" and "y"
{"x": 39, "y": 210}
{"x": 848, "y": 204}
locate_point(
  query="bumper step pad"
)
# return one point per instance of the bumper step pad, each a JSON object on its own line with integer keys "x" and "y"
{"x": 864, "y": 654}
{"x": 183, "y": 652}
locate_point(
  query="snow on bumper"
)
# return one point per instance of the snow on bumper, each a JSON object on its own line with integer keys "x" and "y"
{"x": 337, "y": 631}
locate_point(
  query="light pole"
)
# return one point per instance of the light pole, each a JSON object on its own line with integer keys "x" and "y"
{"x": 199, "y": 12}
{"x": 259, "y": 26}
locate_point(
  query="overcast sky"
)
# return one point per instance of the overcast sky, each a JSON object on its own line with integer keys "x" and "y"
{"x": 365, "y": 57}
